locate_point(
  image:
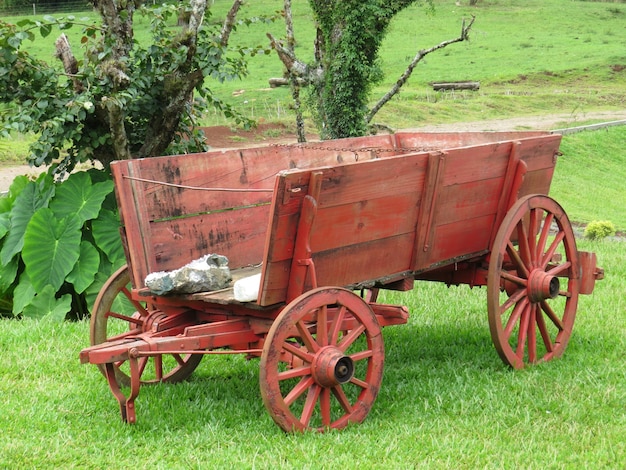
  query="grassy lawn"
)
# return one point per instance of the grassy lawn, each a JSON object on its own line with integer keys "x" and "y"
{"x": 529, "y": 58}
{"x": 447, "y": 401}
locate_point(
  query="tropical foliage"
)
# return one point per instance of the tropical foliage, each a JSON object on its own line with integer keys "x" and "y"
{"x": 58, "y": 244}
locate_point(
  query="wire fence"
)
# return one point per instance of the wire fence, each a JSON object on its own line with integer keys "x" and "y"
{"x": 35, "y": 8}
{"x": 8, "y": 8}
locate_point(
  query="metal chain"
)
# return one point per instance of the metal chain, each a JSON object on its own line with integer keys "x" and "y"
{"x": 356, "y": 150}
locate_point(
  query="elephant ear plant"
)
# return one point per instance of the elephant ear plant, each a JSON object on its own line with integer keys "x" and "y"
{"x": 59, "y": 242}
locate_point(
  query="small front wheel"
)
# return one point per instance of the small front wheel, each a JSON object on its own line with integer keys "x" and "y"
{"x": 116, "y": 315}
{"x": 322, "y": 363}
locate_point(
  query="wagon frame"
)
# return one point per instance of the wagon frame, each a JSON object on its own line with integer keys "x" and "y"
{"x": 321, "y": 222}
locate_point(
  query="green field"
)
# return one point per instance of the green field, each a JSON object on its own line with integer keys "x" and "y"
{"x": 446, "y": 401}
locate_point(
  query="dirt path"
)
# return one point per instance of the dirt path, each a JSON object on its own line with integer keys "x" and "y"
{"x": 223, "y": 137}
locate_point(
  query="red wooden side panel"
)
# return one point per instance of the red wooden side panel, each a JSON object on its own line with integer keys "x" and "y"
{"x": 450, "y": 140}
{"x": 168, "y": 225}
{"x": 364, "y": 228}
{"x": 462, "y": 219}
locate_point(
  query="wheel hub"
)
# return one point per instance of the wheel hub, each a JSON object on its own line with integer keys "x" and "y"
{"x": 331, "y": 367}
{"x": 542, "y": 286}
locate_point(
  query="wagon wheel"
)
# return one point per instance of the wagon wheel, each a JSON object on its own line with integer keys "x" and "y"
{"x": 322, "y": 362}
{"x": 533, "y": 282}
{"x": 115, "y": 315}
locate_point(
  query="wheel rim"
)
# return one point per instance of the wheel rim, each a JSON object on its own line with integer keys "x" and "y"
{"x": 320, "y": 378}
{"x": 116, "y": 316}
{"x": 533, "y": 282}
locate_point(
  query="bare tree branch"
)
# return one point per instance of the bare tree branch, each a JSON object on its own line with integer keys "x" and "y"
{"x": 70, "y": 64}
{"x": 229, "y": 22}
{"x": 294, "y": 81}
{"x": 293, "y": 64}
{"x": 465, "y": 29}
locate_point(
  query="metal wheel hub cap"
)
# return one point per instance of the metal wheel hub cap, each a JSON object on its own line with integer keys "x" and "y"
{"x": 542, "y": 286}
{"x": 331, "y": 367}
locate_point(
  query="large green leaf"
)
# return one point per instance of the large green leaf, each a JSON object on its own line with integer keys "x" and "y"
{"x": 7, "y": 275}
{"x": 106, "y": 233}
{"x": 46, "y": 305}
{"x": 23, "y": 294}
{"x": 79, "y": 197}
{"x": 5, "y": 223}
{"x": 51, "y": 248}
{"x": 17, "y": 185}
{"x": 86, "y": 267}
{"x": 34, "y": 196}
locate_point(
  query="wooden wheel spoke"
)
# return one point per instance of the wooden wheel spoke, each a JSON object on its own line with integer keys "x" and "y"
{"x": 560, "y": 269}
{"x": 522, "y": 268}
{"x": 545, "y": 232}
{"x": 341, "y": 397}
{"x": 309, "y": 405}
{"x": 307, "y": 337}
{"x": 366, "y": 354}
{"x": 547, "y": 257}
{"x": 545, "y": 335}
{"x": 515, "y": 316}
{"x": 507, "y": 276}
{"x": 126, "y": 334}
{"x": 523, "y": 331}
{"x": 325, "y": 407}
{"x": 297, "y": 351}
{"x": 140, "y": 308}
{"x": 179, "y": 359}
{"x": 532, "y": 335}
{"x": 335, "y": 327}
{"x": 547, "y": 309}
{"x": 126, "y": 318}
{"x": 359, "y": 383}
{"x": 298, "y": 390}
{"x": 533, "y": 229}
{"x": 293, "y": 373}
{"x": 322, "y": 326}
{"x": 522, "y": 240}
{"x": 512, "y": 300}
{"x": 158, "y": 367}
{"x": 351, "y": 337}
{"x": 143, "y": 362}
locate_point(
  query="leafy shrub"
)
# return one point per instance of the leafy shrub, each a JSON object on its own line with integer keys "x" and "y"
{"x": 59, "y": 242}
{"x": 599, "y": 229}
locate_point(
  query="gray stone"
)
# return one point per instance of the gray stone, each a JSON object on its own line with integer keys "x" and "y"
{"x": 205, "y": 274}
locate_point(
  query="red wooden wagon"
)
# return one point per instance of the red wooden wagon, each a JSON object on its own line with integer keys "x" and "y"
{"x": 319, "y": 222}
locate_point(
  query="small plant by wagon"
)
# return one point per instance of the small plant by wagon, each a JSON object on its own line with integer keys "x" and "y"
{"x": 326, "y": 226}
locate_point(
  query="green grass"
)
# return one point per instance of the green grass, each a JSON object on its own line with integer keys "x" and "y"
{"x": 446, "y": 401}
{"x": 589, "y": 178}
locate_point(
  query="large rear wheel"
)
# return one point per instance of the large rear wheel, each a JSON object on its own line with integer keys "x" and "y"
{"x": 533, "y": 282}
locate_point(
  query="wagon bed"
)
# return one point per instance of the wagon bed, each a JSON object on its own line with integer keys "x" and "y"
{"x": 319, "y": 221}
